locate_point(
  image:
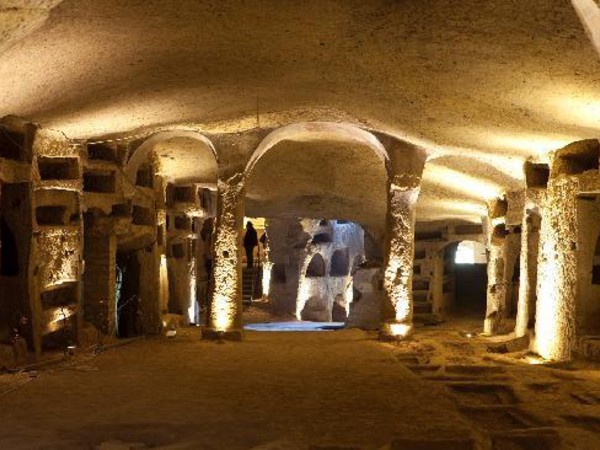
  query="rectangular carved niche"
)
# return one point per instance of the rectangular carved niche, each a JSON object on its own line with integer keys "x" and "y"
{"x": 102, "y": 152}
{"x": 184, "y": 194}
{"x": 144, "y": 177}
{"x": 99, "y": 182}
{"x": 12, "y": 145}
{"x": 51, "y": 215}
{"x": 142, "y": 216}
{"x": 183, "y": 223}
{"x": 177, "y": 251}
{"x": 58, "y": 168}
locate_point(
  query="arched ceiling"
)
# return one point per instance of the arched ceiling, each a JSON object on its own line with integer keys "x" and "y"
{"x": 319, "y": 179}
{"x": 487, "y": 83}
{"x": 185, "y": 160}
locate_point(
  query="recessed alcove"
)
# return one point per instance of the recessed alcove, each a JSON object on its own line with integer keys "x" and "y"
{"x": 142, "y": 216}
{"x": 340, "y": 263}
{"x": 99, "y": 182}
{"x": 51, "y": 215}
{"x": 316, "y": 267}
{"x": 58, "y": 168}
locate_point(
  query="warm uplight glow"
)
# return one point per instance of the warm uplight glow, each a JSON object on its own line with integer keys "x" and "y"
{"x": 400, "y": 329}
{"x": 348, "y": 296}
{"x": 303, "y": 296}
{"x": 530, "y": 144}
{"x": 266, "y": 278}
{"x": 164, "y": 283}
{"x": 534, "y": 360}
{"x": 462, "y": 183}
{"x": 193, "y": 306}
{"x": 222, "y": 312}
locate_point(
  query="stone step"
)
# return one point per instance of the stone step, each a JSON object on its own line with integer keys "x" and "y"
{"x": 422, "y": 308}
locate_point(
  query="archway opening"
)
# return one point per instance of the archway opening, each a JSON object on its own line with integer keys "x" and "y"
{"x": 464, "y": 284}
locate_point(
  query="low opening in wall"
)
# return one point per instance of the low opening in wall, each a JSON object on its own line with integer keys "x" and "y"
{"x": 536, "y": 175}
{"x": 177, "y": 251}
{"x": 12, "y": 145}
{"x": 205, "y": 196}
{"x": 420, "y": 285}
{"x": 431, "y": 235}
{"x": 324, "y": 223}
{"x": 121, "y": 210}
{"x": 64, "y": 295}
{"x": 321, "y": 238}
{"x": 420, "y": 253}
{"x": 470, "y": 252}
{"x": 129, "y": 317}
{"x": 9, "y": 251}
{"x": 340, "y": 263}
{"x": 58, "y": 168}
{"x": 499, "y": 232}
{"x": 102, "y": 152}
{"x": 596, "y": 263}
{"x": 316, "y": 267}
{"x": 142, "y": 216}
{"x": 144, "y": 177}
{"x": 182, "y": 223}
{"x": 51, "y": 215}
{"x": 578, "y": 158}
{"x": 468, "y": 229}
{"x": 99, "y": 182}
{"x": 185, "y": 194}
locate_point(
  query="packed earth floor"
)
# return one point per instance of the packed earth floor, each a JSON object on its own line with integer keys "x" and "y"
{"x": 342, "y": 389}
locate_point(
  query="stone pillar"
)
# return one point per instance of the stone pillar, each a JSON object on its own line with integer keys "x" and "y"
{"x": 574, "y": 168}
{"x": 557, "y": 271}
{"x": 100, "y": 252}
{"x": 404, "y": 182}
{"x": 225, "y": 317}
{"x": 496, "y": 309}
{"x": 530, "y": 238}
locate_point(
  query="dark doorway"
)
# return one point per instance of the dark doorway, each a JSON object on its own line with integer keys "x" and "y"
{"x": 129, "y": 315}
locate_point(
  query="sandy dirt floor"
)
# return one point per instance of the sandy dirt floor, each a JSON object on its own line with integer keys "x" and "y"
{"x": 319, "y": 390}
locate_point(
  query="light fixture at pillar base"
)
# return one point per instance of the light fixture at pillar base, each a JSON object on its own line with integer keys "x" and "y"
{"x": 394, "y": 331}
{"x": 220, "y": 335}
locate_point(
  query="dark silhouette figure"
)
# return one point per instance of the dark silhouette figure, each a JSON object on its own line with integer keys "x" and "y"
{"x": 250, "y": 241}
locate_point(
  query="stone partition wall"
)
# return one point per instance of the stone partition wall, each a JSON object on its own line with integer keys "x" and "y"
{"x": 328, "y": 296}
{"x": 288, "y": 242}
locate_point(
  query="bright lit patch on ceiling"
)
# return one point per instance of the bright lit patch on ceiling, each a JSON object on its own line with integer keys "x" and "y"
{"x": 460, "y": 182}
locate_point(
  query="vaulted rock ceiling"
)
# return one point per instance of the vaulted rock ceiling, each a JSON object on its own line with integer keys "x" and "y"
{"x": 483, "y": 84}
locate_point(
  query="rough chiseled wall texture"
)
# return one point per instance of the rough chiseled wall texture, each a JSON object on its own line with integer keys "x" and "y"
{"x": 496, "y": 292}
{"x": 365, "y": 309}
{"x": 557, "y": 271}
{"x": 226, "y": 307}
{"x": 58, "y": 255}
{"x": 398, "y": 273}
{"x": 287, "y": 252}
{"x": 530, "y": 238}
{"x": 317, "y": 295}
